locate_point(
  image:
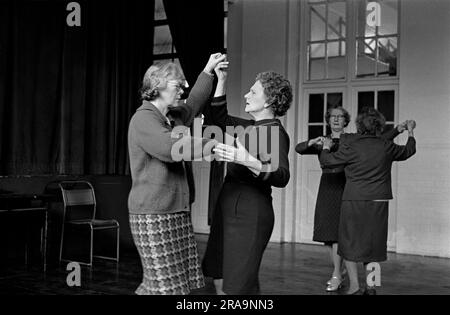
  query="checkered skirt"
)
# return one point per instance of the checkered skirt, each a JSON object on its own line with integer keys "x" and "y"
{"x": 168, "y": 252}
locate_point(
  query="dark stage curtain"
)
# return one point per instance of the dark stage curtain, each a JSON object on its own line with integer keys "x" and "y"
{"x": 67, "y": 93}
{"x": 197, "y": 29}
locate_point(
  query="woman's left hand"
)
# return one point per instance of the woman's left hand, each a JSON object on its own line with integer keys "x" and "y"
{"x": 230, "y": 153}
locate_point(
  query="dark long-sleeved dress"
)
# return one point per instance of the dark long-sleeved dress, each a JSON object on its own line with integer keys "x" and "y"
{"x": 243, "y": 220}
{"x": 363, "y": 227}
{"x": 329, "y": 196}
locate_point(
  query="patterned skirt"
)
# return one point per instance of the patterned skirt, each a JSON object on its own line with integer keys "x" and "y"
{"x": 168, "y": 252}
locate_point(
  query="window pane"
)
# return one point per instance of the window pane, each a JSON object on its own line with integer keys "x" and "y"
{"x": 317, "y": 23}
{"x": 336, "y": 20}
{"x": 316, "y": 61}
{"x": 334, "y": 99}
{"x": 316, "y": 102}
{"x": 389, "y": 17}
{"x": 387, "y": 56}
{"x": 365, "y": 65}
{"x": 386, "y": 104}
{"x": 362, "y": 28}
{"x": 315, "y": 131}
{"x": 160, "y": 13}
{"x": 336, "y": 60}
{"x": 163, "y": 40}
{"x": 366, "y": 99}
{"x": 317, "y": 50}
{"x": 225, "y": 5}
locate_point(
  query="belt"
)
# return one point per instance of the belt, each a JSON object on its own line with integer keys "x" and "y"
{"x": 332, "y": 170}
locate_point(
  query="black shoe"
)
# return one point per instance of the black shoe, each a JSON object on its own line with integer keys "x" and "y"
{"x": 370, "y": 291}
{"x": 357, "y": 292}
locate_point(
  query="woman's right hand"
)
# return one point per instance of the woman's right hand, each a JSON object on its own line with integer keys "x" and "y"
{"x": 316, "y": 141}
{"x": 213, "y": 61}
{"x": 221, "y": 70}
{"x": 410, "y": 125}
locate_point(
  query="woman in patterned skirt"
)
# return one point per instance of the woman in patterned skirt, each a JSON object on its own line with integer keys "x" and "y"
{"x": 162, "y": 188}
{"x": 331, "y": 187}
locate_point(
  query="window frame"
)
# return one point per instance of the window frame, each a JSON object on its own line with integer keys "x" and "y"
{"x": 351, "y": 49}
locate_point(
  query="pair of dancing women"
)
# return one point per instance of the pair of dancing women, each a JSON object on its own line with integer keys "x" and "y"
{"x": 162, "y": 186}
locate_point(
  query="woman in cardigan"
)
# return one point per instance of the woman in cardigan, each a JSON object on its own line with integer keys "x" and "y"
{"x": 161, "y": 194}
{"x": 331, "y": 187}
{"x": 367, "y": 158}
{"x": 243, "y": 219}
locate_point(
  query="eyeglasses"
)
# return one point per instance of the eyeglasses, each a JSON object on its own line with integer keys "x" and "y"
{"x": 178, "y": 85}
{"x": 337, "y": 116}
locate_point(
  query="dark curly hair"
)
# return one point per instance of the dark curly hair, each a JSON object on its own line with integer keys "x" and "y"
{"x": 370, "y": 122}
{"x": 156, "y": 77}
{"x": 277, "y": 90}
{"x": 344, "y": 112}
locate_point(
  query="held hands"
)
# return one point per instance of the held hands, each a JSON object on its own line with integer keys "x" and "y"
{"x": 327, "y": 143}
{"x": 316, "y": 141}
{"x": 410, "y": 125}
{"x": 229, "y": 153}
{"x": 221, "y": 70}
{"x": 406, "y": 125}
{"x": 402, "y": 127}
{"x": 213, "y": 61}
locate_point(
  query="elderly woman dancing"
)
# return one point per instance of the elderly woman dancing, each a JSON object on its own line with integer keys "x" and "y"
{"x": 162, "y": 190}
{"x": 367, "y": 158}
{"x": 243, "y": 219}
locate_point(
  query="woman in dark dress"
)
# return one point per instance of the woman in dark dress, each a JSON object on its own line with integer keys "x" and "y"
{"x": 332, "y": 182}
{"x": 367, "y": 158}
{"x": 331, "y": 187}
{"x": 243, "y": 219}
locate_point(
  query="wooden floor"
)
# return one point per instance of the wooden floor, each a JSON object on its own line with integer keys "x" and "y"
{"x": 287, "y": 269}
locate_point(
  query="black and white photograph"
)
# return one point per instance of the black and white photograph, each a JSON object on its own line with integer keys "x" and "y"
{"x": 258, "y": 149}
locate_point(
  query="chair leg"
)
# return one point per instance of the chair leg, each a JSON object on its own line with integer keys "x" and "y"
{"x": 117, "y": 241}
{"x": 61, "y": 245}
{"x": 91, "y": 252}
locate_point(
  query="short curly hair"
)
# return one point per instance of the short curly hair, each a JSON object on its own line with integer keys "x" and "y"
{"x": 278, "y": 91}
{"x": 347, "y": 116}
{"x": 156, "y": 77}
{"x": 370, "y": 122}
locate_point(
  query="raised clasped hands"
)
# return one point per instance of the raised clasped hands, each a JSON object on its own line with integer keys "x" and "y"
{"x": 213, "y": 61}
{"x": 221, "y": 70}
{"x": 410, "y": 125}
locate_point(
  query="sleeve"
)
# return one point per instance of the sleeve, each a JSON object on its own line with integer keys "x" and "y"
{"x": 342, "y": 156}
{"x": 276, "y": 173}
{"x": 391, "y": 134}
{"x": 220, "y": 117}
{"x": 403, "y": 152}
{"x": 303, "y": 148}
{"x": 167, "y": 145}
{"x": 197, "y": 100}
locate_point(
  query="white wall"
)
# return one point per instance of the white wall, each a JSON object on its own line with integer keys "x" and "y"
{"x": 423, "y": 215}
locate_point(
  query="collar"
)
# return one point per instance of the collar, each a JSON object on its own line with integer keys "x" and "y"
{"x": 146, "y": 105}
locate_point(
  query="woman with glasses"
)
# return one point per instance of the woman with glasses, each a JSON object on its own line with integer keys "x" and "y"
{"x": 331, "y": 187}
{"x": 162, "y": 186}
